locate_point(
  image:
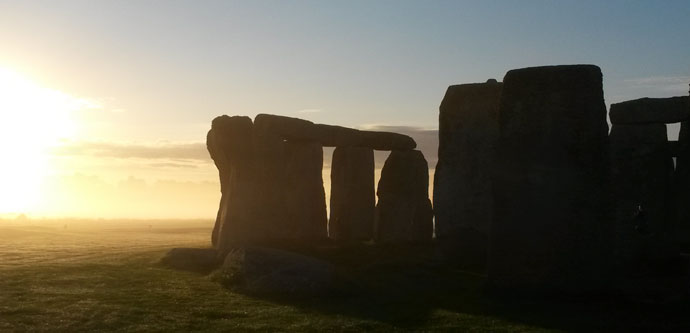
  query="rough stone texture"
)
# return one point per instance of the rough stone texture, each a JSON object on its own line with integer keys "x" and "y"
{"x": 403, "y": 212}
{"x": 651, "y": 110}
{"x": 682, "y": 187}
{"x": 642, "y": 174}
{"x": 305, "y": 198}
{"x": 552, "y": 230}
{"x": 270, "y": 185}
{"x": 294, "y": 129}
{"x": 191, "y": 259}
{"x": 271, "y": 176}
{"x": 463, "y": 199}
{"x": 229, "y": 143}
{"x": 257, "y": 270}
{"x": 352, "y": 194}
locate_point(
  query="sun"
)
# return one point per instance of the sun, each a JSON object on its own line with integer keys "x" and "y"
{"x": 32, "y": 120}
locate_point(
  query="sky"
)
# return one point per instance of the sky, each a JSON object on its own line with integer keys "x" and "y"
{"x": 104, "y": 105}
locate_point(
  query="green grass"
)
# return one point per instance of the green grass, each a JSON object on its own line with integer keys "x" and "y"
{"x": 107, "y": 278}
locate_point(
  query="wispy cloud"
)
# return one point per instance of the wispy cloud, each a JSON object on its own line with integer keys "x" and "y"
{"x": 426, "y": 138}
{"x": 163, "y": 150}
{"x": 304, "y": 111}
{"x": 663, "y": 83}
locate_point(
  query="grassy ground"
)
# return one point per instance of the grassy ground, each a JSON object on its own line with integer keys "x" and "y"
{"x": 105, "y": 276}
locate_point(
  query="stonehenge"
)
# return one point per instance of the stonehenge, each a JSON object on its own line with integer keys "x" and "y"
{"x": 305, "y": 198}
{"x": 681, "y": 189}
{"x": 650, "y": 110}
{"x": 272, "y": 188}
{"x": 352, "y": 194}
{"x": 403, "y": 212}
{"x": 642, "y": 174}
{"x": 550, "y": 232}
{"x": 463, "y": 198}
{"x": 530, "y": 184}
{"x": 644, "y": 179}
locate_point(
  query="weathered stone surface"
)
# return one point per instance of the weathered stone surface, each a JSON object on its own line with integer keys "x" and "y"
{"x": 271, "y": 176}
{"x": 191, "y": 259}
{"x": 651, "y": 110}
{"x": 552, "y": 229}
{"x": 352, "y": 194}
{"x": 403, "y": 212}
{"x": 257, "y": 270}
{"x": 229, "y": 143}
{"x": 463, "y": 199}
{"x": 305, "y": 198}
{"x": 386, "y": 141}
{"x": 682, "y": 186}
{"x": 294, "y": 129}
{"x": 642, "y": 174}
{"x": 270, "y": 185}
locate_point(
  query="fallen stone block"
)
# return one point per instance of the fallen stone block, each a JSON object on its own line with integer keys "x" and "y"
{"x": 257, "y": 270}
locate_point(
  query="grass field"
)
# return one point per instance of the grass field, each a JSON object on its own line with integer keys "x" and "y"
{"x": 105, "y": 276}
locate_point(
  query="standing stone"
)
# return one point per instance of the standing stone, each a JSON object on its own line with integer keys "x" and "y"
{"x": 270, "y": 181}
{"x": 551, "y": 231}
{"x": 352, "y": 194}
{"x": 230, "y": 144}
{"x": 682, "y": 187}
{"x": 641, "y": 171}
{"x": 463, "y": 199}
{"x": 404, "y": 213}
{"x": 304, "y": 196}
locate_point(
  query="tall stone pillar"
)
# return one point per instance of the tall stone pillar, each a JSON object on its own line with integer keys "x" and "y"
{"x": 642, "y": 176}
{"x": 682, "y": 184}
{"x": 230, "y": 144}
{"x": 304, "y": 195}
{"x": 403, "y": 212}
{"x": 552, "y": 229}
{"x": 463, "y": 199}
{"x": 352, "y": 194}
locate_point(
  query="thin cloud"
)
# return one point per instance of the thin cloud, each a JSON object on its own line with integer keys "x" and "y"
{"x": 663, "y": 83}
{"x": 305, "y": 111}
{"x": 426, "y": 138}
{"x": 174, "y": 165}
{"x": 179, "y": 151}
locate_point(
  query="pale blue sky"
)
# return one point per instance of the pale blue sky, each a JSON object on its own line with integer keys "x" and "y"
{"x": 173, "y": 65}
{"x": 152, "y": 71}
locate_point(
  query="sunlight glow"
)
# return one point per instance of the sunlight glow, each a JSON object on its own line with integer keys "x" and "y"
{"x": 32, "y": 120}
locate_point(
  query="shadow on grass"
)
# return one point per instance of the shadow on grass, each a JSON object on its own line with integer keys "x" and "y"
{"x": 404, "y": 287}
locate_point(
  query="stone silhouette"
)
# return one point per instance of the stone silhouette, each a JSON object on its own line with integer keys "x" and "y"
{"x": 682, "y": 186}
{"x": 403, "y": 212}
{"x": 230, "y": 144}
{"x": 352, "y": 194}
{"x": 642, "y": 175}
{"x": 294, "y": 129}
{"x": 551, "y": 231}
{"x": 651, "y": 110}
{"x": 463, "y": 199}
{"x": 305, "y": 198}
{"x": 271, "y": 179}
